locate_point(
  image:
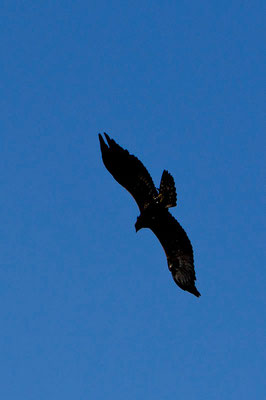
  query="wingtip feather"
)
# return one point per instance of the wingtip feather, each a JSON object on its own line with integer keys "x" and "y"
{"x": 103, "y": 145}
{"x": 195, "y": 292}
{"x": 109, "y": 140}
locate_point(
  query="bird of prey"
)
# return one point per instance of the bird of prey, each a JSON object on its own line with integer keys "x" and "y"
{"x": 153, "y": 204}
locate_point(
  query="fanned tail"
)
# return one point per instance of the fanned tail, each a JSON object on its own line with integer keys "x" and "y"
{"x": 167, "y": 191}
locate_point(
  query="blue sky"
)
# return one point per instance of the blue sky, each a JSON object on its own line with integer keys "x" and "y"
{"x": 88, "y": 307}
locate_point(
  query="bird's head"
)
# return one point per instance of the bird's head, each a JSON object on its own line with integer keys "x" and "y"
{"x": 140, "y": 223}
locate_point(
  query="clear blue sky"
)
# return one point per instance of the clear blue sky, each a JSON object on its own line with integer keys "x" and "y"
{"x": 88, "y": 307}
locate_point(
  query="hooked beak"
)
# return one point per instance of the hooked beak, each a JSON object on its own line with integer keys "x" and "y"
{"x": 137, "y": 227}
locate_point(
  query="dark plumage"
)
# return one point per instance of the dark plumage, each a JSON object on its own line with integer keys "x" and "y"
{"x": 153, "y": 204}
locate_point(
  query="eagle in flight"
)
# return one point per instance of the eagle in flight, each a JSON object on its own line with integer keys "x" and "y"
{"x": 153, "y": 204}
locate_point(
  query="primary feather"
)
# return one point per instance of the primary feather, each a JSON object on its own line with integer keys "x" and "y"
{"x": 133, "y": 176}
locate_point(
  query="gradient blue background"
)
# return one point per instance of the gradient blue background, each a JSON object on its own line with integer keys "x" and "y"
{"x": 88, "y": 308}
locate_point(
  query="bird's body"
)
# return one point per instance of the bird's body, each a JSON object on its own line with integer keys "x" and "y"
{"x": 154, "y": 214}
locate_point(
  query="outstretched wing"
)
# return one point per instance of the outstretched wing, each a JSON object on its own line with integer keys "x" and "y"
{"x": 178, "y": 250}
{"x": 128, "y": 171}
{"x": 167, "y": 191}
